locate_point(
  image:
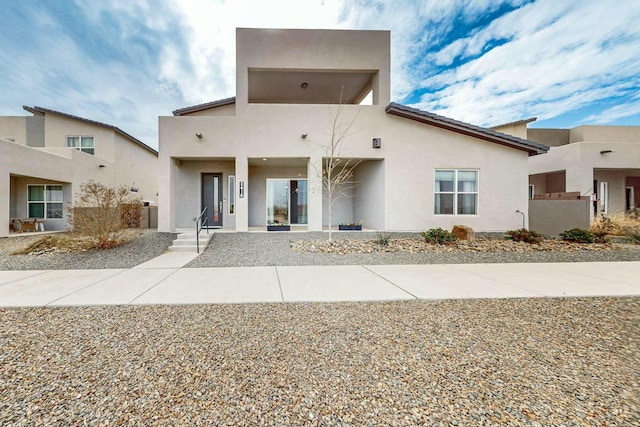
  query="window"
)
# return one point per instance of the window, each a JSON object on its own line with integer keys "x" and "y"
{"x": 82, "y": 143}
{"x": 456, "y": 192}
{"x": 44, "y": 201}
{"x": 232, "y": 195}
{"x": 604, "y": 197}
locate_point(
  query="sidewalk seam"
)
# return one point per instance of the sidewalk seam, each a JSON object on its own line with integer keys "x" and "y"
{"x": 279, "y": 284}
{"x": 156, "y": 284}
{"x": 26, "y": 277}
{"x": 85, "y": 287}
{"x": 389, "y": 281}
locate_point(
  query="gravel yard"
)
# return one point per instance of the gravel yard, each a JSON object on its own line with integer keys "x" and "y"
{"x": 148, "y": 245}
{"x": 264, "y": 249}
{"x": 521, "y": 362}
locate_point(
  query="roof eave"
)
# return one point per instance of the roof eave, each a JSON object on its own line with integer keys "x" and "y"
{"x": 205, "y": 106}
{"x": 489, "y": 135}
{"x": 41, "y": 110}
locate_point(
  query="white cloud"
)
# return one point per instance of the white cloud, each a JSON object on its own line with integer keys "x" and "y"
{"x": 559, "y": 58}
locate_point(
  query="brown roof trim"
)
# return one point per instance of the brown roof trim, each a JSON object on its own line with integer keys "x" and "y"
{"x": 41, "y": 110}
{"x": 517, "y": 122}
{"x": 486, "y": 134}
{"x": 206, "y": 106}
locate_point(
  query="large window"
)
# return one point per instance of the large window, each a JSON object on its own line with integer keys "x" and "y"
{"x": 456, "y": 192}
{"x": 44, "y": 201}
{"x": 82, "y": 143}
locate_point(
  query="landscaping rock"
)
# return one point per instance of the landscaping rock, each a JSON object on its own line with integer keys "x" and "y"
{"x": 463, "y": 232}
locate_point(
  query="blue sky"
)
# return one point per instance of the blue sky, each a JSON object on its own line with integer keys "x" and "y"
{"x": 126, "y": 62}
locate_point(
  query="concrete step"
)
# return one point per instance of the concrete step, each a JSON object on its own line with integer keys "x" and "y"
{"x": 186, "y": 242}
{"x": 185, "y": 248}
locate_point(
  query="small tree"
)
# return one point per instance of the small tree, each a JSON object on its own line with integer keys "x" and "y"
{"x": 102, "y": 213}
{"x": 337, "y": 173}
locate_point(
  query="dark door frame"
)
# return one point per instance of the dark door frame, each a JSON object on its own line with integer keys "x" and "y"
{"x": 213, "y": 222}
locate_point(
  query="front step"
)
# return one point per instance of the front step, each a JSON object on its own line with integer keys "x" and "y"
{"x": 186, "y": 242}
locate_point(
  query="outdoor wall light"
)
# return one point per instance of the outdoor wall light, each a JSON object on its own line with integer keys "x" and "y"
{"x": 304, "y": 85}
{"x": 606, "y": 152}
{"x": 102, "y": 166}
{"x": 303, "y": 136}
{"x": 376, "y": 142}
{"x": 134, "y": 190}
{"x": 199, "y": 135}
{"x": 521, "y": 213}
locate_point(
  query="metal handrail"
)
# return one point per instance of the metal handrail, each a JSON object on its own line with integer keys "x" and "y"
{"x": 201, "y": 221}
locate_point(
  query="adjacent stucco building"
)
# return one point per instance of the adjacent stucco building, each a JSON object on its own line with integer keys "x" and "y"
{"x": 255, "y": 159}
{"x": 601, "y": 162}
{"x": 45, "y": 157}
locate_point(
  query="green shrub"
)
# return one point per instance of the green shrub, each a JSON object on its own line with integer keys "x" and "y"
{"x": 439, "y": 236}
{"x": 578, "y": 235}
{"x": 523, "y": 235}
{"x": 382, "y": 238}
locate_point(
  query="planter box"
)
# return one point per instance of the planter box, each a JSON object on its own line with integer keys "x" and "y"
{"x": 350, "y": 227}
{"x": 278, "y": 228}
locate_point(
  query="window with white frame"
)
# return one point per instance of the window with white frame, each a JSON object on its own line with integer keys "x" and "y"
{"x": 44, "y": 201}
{"x": 232, "y": 195}
{"x": 82, "y": 143}
{"x": 456, "y": 192}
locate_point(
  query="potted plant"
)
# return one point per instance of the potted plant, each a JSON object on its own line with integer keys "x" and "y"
{"x": 278, "y": 226}
{"x": 354, "y": 226}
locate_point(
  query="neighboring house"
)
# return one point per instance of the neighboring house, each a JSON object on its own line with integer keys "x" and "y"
{"x": 254, "y": 159}
{"x": 602, "y": 162}
{"x": 45, "y": 157}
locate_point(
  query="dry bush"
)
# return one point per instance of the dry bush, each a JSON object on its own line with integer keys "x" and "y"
{"x": 617, "y": 224}
{"x": 59, "y": 242}
{"x": 102, "y": 214}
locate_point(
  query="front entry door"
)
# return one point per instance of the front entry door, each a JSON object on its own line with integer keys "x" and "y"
{"x": 212, "y": 198}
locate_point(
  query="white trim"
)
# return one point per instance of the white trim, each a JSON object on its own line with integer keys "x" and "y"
{"x": 455, "y": 191}
{"x": 45, "y": 202}
{"x": 80, "y": 147}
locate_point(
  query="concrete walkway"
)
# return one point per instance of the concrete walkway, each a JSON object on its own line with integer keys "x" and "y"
{"x": 163, "y": 280}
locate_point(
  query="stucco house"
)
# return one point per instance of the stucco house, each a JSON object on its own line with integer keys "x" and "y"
{"x": 45, "y": 157}
{"x": 254, "y": 159}
{"x": 601, "y": 162}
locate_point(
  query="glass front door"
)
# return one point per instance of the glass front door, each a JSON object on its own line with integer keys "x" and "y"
{"x": 286, "y": 201}
{"x": 212, "y": 198}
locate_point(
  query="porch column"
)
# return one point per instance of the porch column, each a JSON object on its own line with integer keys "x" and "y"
{"x": 314, "y": 169}
{"x": 5, "y": 200}
{"x": 242, "y": 184}
{"x": 166, "y": 194}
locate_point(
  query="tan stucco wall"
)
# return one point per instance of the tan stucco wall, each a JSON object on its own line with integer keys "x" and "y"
{"x": 14, "y": 127}
{"x": 519, "y": 130}
{"x": 552, "y": 217}
{"x": 411, "y": 153}
{"x": 136, "y": 167}
{"x": 188, "y": 193}
{"x": 57, "y": 128}
{"x": 605, "y": 134}
{"x": 225, "y": 110}
{"x": 313, "y": 50}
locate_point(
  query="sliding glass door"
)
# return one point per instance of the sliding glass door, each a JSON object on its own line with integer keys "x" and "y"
{"x": 287, "y": 201}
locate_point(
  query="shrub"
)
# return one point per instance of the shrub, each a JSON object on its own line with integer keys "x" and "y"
{"x": 523, "y": 235}
{"x": 382, "y": 238}
{"x": 578, "y": 235}
{"x": 103, "y": 213}
{"x": 633, "y": 233}
{"x": 439, "y": 236}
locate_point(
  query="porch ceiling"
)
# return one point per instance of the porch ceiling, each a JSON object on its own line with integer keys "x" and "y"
{"x": 278, "y": 161}
{"x": 309, "y": 87}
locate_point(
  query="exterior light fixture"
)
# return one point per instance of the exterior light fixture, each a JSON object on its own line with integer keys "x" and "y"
{"x": 304, "y": 85}
{"x": 606, "y": 151}
{"x": 102, "y": 166}
{"x": 264, "y": 160}
{"x": 376, "y": 142}
{"x": 199, "y": 135}
{"x": 303, "y": 136}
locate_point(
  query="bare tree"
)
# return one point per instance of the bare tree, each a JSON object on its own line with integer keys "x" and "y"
{"x": 337, "y": 173}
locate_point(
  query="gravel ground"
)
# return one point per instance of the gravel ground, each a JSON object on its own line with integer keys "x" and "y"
{"x": 263, "y": 249}
{"x": 520, "y": 362}
{"x": 148, "y": 245}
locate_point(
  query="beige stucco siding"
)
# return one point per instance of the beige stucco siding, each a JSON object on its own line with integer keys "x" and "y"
{"x": 137, "y": 167}
{"x": 57, "y": 128}
{"x": 411, "y": 152}
{"x": 14, "y": 128}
